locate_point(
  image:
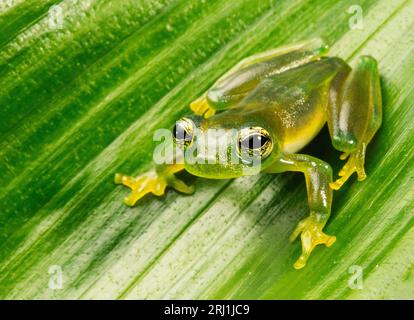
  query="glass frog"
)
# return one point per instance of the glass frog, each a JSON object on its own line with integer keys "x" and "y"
{"x": 267, "y": 108}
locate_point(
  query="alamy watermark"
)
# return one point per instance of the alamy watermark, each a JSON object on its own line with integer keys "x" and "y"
{"x": 55, "y": 17}
{"x": 55, "y": 277}
{"x": 356, "y": 280}
{"x": 6, "y": 4}
{"x": 356, "y": 20}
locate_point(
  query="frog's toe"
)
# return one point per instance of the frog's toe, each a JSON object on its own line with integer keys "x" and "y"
{"x": 346, "y": 169}
{"x": 118, "y": 178}
{"x": 338, "y": 183}
{"x": 201, "y": 107}
{"x": 180, "y": 186}
{"x": 132, "y": 199}
{"x": 344, "y": 156}
{"x": 125, "y": 180}
{"x": 344, "y": 174}
{"x": 311, "y": 236}
{"x": 361, "y": 173}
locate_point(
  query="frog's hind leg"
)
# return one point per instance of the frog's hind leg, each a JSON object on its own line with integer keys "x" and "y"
{"x": 234, "y": 85}
{"x": 318, "y": 175}
{"x": 354, "y": 115}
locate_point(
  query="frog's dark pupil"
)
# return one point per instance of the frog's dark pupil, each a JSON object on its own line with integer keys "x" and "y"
{"x": 180, "y": 133}
{"x": 254, "y": 141}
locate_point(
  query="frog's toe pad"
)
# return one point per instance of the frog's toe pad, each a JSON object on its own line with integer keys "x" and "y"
{"x": 201, "y": 108}
{"x": 118, "y": 178}
{"x": 311, "y": 236}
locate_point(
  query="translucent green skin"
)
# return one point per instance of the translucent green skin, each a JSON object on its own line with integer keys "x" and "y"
{"x": 301, "y": 94}
{"x": 290, "y": 92}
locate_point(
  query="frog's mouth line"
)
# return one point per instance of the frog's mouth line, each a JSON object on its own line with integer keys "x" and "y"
{"x": 219, "y": 171}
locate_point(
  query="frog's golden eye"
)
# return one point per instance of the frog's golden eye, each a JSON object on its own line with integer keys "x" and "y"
{"x": 255, "y": 141}
{"x": 183, "y": 132}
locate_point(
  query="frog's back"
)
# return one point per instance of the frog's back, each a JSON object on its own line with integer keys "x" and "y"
{"x": 294, "y": 102}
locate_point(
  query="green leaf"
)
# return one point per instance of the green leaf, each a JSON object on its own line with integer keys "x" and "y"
{"x": 79, "y": 99}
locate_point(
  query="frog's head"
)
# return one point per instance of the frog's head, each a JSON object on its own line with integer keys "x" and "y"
{"x": 226, "y": 145}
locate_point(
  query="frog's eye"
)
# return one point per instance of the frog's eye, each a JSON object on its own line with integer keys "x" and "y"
{"x": 183, "y": 132}
{"x": 255, "y": 141}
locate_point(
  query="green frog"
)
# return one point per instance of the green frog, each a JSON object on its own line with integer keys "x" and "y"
{"x": 265, "y": 110}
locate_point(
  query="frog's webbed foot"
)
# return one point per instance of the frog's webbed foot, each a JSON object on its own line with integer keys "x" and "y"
{"x": 150, "y": 182}
{"x": 141, "y": 185}
{"x": 355, "y": 163}
{"x": 201, "y": 107}
{"x": 311, "y": 235}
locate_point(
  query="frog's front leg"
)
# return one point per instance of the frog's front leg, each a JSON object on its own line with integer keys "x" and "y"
{"x": 155, "y": 181}
{"x": 354, "y": 115}
{"x": 234, "y": 85}
{"x": 318, "y": 175}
